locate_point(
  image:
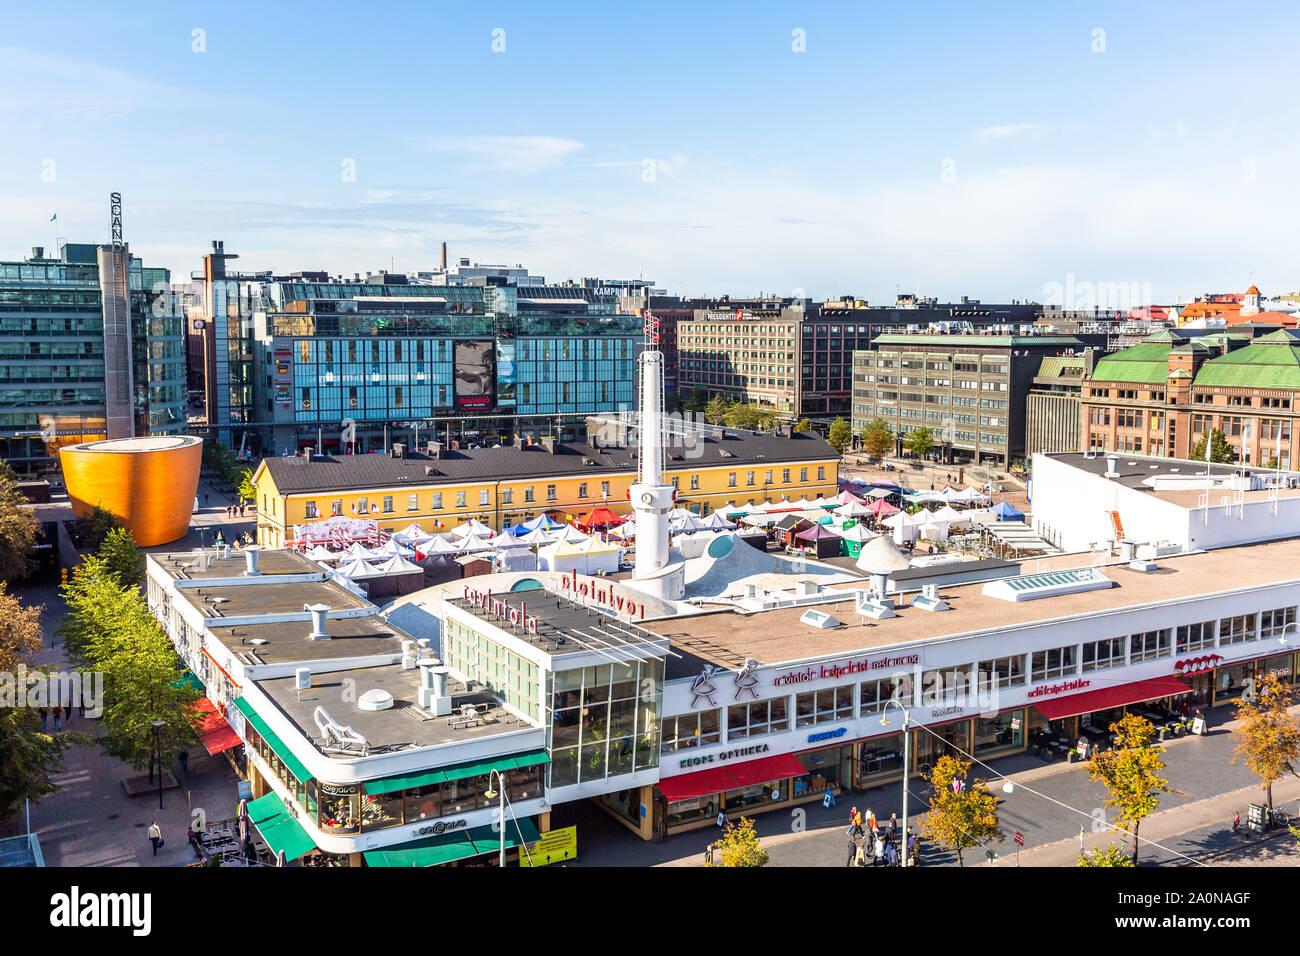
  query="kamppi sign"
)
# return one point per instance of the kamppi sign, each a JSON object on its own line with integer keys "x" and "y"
{"x": 604, "y": 594}
{"x": 830, "y": 671}
{"x": 502, "y": 610}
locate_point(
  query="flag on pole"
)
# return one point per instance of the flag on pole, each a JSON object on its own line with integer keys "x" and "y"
{"x": 54, "y": 217}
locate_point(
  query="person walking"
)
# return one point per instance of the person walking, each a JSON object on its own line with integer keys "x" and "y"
{"x": 892, "y": 829}
{"x": 44, "y": 717}
{"x": 871, "y": 821}
{"x": 855, "y": 847}
{"x": 155, "y": 837}
{"x": 58, "y": 718}
{"x": 891, "y": 855}
{"x": 67, "y": 713}
{"x": 880, "y": 852}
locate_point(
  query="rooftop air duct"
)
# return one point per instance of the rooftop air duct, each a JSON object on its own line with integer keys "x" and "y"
{"x": 251, "y": 554}
{"x": 318, "y": 617}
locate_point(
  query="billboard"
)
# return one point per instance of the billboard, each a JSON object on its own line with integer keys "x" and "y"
{"x": 475, "y": 372}
{"x": 505, "y": 374}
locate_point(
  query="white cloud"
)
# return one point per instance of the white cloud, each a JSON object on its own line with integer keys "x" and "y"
{"x": 511, "y": 154}
{"x": 1002, "y": 132}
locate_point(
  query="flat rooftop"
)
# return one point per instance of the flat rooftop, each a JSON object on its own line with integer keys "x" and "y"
{"x": 284, "y": 642}
{"x": 256, "y": 600}
{"x": 1134, "y": 469}
{"x": 402, "y": 725}
{"x": 187, "y": 565}
{"x": 726, "y": 639}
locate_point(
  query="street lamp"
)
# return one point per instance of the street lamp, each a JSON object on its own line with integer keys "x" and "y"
{"x": 501, "y": 783}
{"x": 157, "y": 737}
{"x": 907, "y": 764}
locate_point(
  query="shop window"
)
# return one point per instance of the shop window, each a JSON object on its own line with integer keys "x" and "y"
{"x": 423, "y": 803}
{"x": 382, "y": 810}
{"x": 827, "y": 769}
{"x": 339, "y": 807}
{"x": 823, "y": 706}
{"x": 1237, "y": 630}
{"x": 1050, "y": 664}
{"x": 1233, "y": 680}
{"x": 694, "y": 810}
{"x": 1194, "y": 637}
{"x": 881, "y": 756}
{"x": 1002, "y": 732}
{"x": 1149, "y": 645}
{"x": 757, "y": 718}
{"x": 1098, "y": 655}
{"x": 754, "y": 797}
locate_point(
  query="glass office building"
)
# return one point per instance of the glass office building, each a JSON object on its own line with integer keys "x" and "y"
{"x": 52, "y": 375}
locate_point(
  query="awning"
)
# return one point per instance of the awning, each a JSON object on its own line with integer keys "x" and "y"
{"x": 191, "y": 680}
{"x": 477, "y": 768}
{"x": 1108, "y": 697}
{"x": 436, "y": 851}
{"x": 721, "y": 779}
{"x": 278, "y": 827}
{"x": 296, "y": 766}
{"x": 215, "y": 734}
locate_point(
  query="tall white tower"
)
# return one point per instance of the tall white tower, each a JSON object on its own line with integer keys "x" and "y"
{"x": 652, "y": 497}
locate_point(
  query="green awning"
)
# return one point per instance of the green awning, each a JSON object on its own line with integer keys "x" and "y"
{"x": 296, "y": 766}
{"x": 456, "y": 772}
{"x": 190, "y": 679}
{"x": 435, "y": 851}
{"x": 278, "y": 827}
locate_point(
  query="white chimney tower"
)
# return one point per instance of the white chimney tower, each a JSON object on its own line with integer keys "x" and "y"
{"x": 652, "y": 498}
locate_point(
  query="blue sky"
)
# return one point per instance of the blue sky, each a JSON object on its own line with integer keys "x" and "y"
{"x": 992, "y": 150}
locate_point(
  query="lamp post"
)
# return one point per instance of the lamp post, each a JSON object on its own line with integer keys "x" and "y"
{"x": 157, "y": 737}
{"x": 907, "y": 765}
{"x": 501, "y": 783}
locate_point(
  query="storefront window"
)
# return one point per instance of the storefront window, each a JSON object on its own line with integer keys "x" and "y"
{"x": 931, "y": 743}
{"x": 423, "y": 803}
{"x": 1231, "y": 681}
{"x": 525, "y": 783}
{"x": 692, "y": 810}
{"x": 458, "y": 796}
{"x": 381, "y": 810}
{"x": 880, "y": 756}
{"x": 1003, "y": 732}
{"x": 340, "y": 810}
{"x": 749, "y": 798}
{"x": 826, "y": 768}
{"x": 1280, "y": 666}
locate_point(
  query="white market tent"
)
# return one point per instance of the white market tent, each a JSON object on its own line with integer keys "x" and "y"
{"x": 591, "y": 556}
{"x": 718, "y": 522}
{"x": 855, "y": 509}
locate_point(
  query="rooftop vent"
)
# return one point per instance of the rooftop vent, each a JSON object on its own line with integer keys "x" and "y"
{"x": 319, "y": 614}
{"x": 1112, "y": 466}
{"x": 819, "y": 619}
{"x": 398, "y": 450}
{"x": 929, "y": 600}
{"x": 375, "y": 699}
{"x": 251, "y": 554}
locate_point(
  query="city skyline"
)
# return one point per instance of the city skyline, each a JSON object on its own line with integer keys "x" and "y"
{"x": 1129, "y": 159}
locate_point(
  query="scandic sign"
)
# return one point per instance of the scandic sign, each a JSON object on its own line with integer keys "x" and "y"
{"x": 809, "y": 674}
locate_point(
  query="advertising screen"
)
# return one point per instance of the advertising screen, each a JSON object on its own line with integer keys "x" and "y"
{"x": 475, "y": 373}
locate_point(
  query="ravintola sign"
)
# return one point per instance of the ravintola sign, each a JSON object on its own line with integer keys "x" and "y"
{"x": 831, "y": 671}
{"x": 502, "y": 610}
{"x": 600, "y": 592}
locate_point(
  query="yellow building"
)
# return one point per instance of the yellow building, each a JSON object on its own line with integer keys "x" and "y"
{"x": 439, "y": 489}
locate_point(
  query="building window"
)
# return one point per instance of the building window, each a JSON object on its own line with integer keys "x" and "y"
{"x": 1237, "y": 630}
{"x": 1098, "y": 655}
{"x": 582, "y": 489}
{"x": 757, "y": 718}
{"x": 311, "y": 509}
{"x": 749, "y": 478}
{"x": 550, "y": 492}
{"x": 1275, "y": 623}
{"x": 528, "y": 494}
{"x": 690, "y": 730}
{"x": 1194, "y": 637}
{"x": 823, "y": 706}
{"x": 604, "y": 489}
{"x": 1002, "y": 672}
{"x": 460, "y": 499}
{"x": 484, "y": 497}
{"x": 388, "y": 504}
{"x": 731, "y": 479}
{"x": 821, "y": 472}
{"x": 876, "y": 694}
{"x": 363, "y": 506}
{"x": 803, "y": 474}
{"x": 695, "y": 482}
{"x": 1149, "y": 645}
{"x": 436, "y": 503}
{"x": 785, "y": 476}
{"x": 1057, "y": 662}
{"x": 507, "y": 496}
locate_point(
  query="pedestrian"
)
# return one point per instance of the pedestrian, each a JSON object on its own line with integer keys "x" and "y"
{"x": 893, "y": 827}
{"x": 855, "y": 847}
{"x": 155, "y": 837}
{"x": 205, "y": 497}
{"x": 67, "y": 713}
{"x": 871, "y": 821}
{"x": 58, "y": 718}
{"x": 43, "y": 718}
{"x": 880, "y": 853}
{"x": 891, "y": 855}
{"x": 1236, "y": 821}
{"x": 184, "y": 758}
{"x": 193, "y": 839}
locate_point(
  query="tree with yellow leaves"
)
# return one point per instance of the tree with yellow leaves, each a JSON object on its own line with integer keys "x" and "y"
{"x": 1113, "y": 855}
{"x": 1131, "y": 772}
{"x": 962, "y": 816}
{"x": 1268, "y": 739}
{"x": 738, "y": 846}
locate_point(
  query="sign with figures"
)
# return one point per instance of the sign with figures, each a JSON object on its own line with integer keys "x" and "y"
{"x": 553, "y": 846}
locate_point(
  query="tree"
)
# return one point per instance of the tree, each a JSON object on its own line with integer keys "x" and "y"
{"x": 247, "y": 490}
{"x": 96, "y": 529}
{"x": 715, "y": 412}
{"x": 877, "y": 438}
{"x": 961, "y": 817}
{"x": 919, "y": 441}
{"x": 1113, "y": 855}
{"x": 739, "y": 846}
{"x": 1268, "y": 739}
{"x": 109, "y": 629}
{"x": 123, "y": 557}
{"x": 741, "y": 416}
{"x": 839, "y": 435}
{"x": 20, "y": 631}
{"x": 1130, "y": 771}
{"x": 18, "y": 528}
{"x": 804, "y": 425}
{"x": 1221, "y": 449}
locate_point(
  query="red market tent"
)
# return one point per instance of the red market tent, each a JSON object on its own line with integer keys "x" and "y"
{"x": 882, "y": 508}
{"x": 600, "y": 519}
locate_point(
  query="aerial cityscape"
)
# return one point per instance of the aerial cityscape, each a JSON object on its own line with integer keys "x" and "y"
{"x": 737, "y": 463}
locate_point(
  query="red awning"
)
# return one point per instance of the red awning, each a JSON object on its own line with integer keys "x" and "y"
{"x": 765, "y": 769}
{"x": 698, "y": 784}
{"x": 1108, "y": 697}
{"x": 719, "y": 779}
{"x": 215, "y": 734}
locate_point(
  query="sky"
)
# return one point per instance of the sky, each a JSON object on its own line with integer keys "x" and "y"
{"x": 1044, "y": 151}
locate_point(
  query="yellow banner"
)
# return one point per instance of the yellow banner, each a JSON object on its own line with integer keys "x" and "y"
{"x": 551, "y": 847}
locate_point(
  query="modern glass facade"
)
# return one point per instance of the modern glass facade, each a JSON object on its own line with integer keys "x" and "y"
{"x": 52, "y": 355}
{"x": 603, "y": 721}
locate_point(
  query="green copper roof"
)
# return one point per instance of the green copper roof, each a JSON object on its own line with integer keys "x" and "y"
{"x": 1058, "y": 366}
{"x": 986, "y": 341}
{"x": 1272, "y": 361}
{"x": 1145, "y": 363}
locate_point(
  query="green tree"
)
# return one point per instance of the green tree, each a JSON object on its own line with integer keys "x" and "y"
{"x": 919, "y": 441}
{"x": 1221, "y": 449}
{"x": 839, "y": 435}
{"x": 960, "y": 818}
{"x": 18, "y": 528}
{"x": 877, "y": 438}
{"x": 739, "y": 846}
{"x": 741, "y": 416}
{"x": 1130, "y": 771}
{"x": 96, "y": 529}
{"x": 804, "y": 425}
{"x": 1268, "y": 738}
{"x": 766, "y": 418}
{"x": 109, "y": 629}
{"x": 247, "y": 490}
{"x": 123, "y": 557}
{"x": 20, "y": 631}
{"x": 1113, "y": 855}
{"x": 715, "y": 412}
